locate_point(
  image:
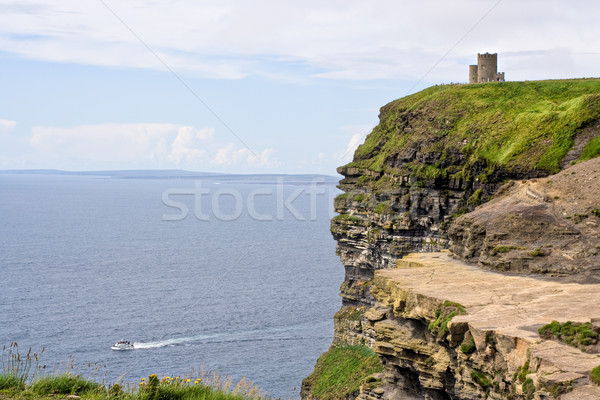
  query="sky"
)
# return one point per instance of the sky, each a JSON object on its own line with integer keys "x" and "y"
{"x": 259, "y": 86}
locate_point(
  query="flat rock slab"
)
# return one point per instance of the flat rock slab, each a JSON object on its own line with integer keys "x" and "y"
{"x": 514, "y": 305}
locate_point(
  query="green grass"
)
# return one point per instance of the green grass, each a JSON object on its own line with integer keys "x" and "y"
{"x": 468, "y": 346}
{"x": 64, "y": 384}
{"x": 23, "y": 378}
{"x": 595, "y": 375}
{"x": 481, "y": 379}
{"x": 470, "y": 131}
{"x": 575, "y": 334}
{"x": 49, "y": 387}
{"x": 444, "y": 314}
{"x": 591, "y": 149}
{"x": 340, "y": 371}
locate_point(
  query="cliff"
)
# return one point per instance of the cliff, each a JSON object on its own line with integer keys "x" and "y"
{"x": 414, "y": 186}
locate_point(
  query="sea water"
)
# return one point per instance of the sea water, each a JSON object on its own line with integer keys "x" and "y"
{"x": 236, "y": 275}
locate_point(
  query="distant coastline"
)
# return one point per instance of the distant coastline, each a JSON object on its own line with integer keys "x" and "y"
{"x": 175, "y": 174}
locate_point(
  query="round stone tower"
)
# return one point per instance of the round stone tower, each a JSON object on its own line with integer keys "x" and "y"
{"x": 487, "y": 67}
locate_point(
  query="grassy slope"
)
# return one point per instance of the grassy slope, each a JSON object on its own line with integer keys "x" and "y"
{"x": 517, "y": 125}
{"x": 341, "y": 370}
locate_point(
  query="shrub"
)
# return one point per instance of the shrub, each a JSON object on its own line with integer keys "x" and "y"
{"x": 576, "y": 334}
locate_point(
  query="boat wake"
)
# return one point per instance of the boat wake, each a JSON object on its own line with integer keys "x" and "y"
{"x": 297, "y": 332}
{"x": 171, "y": 342}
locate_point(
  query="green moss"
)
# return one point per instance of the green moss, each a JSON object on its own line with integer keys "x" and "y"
{"x": 537, "y": 253}
{"x": 468, "y": 346}
{"x": 350, "y": 313}
{"x": 444, "y": 314}
{"x": 340, "y": 371}
{"x": 522, "y": 372}
{"x": 528, "y": 388}
{"x": 347, "y": 218}
{"x": 503, "y": 249}
{"x": 575, "y": 334}
{"x": 475, "y": 198}
{"x": 382, "y": 208}
{"x": 595, "y": 375}
{"x": 481, "y": 379}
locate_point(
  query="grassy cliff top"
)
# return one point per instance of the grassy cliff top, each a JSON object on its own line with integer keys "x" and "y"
{"x": 442, "y": 130}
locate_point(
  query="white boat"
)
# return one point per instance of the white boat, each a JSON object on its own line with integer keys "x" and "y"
{"x": 123, "y": 345}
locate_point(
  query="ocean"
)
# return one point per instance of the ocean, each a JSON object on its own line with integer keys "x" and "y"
{"x": 234, "y": 274}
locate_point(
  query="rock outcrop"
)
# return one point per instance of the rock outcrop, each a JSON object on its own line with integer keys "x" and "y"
{"x": 491, "y": 346}
{"x": 437, "y": 155}
{"x": 549, "y": 226}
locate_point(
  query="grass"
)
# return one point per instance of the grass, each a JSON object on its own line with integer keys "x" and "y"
{"x": 472, "y": 131}
{"x": 481, "y": 379}
{"x": 350, "y": 313}
{"x": 444, "y": 314}
{"x": 468, "y": 346}
{"x": 340, "y": 371}
{"x": 23, "y": 378}
{"x": 576, "y": 334}
{"x": 595, "y": 375}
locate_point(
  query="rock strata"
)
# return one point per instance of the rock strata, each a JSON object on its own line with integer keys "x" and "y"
{"x": 502, "y": 316}
{"x": 549, "y": 226}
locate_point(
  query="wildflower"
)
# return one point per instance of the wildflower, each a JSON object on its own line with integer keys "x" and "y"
{"x": 187, "y": 380}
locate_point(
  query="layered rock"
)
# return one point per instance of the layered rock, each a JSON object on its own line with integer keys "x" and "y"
{"x": 435, "y": 156}
{"x": 549, "y": 226}
{"x": 491, "y": 347}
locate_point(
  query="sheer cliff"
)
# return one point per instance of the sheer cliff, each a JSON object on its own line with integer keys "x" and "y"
{"x": 411, "y": 187}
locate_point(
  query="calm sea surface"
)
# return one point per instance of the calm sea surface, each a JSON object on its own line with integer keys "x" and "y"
{"x": 86, "y": 261}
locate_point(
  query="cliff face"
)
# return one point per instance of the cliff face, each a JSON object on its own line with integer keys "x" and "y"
{"x": 435, "y": 156}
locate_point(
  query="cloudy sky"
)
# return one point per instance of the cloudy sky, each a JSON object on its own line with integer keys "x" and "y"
{"x": 251, "y": 86}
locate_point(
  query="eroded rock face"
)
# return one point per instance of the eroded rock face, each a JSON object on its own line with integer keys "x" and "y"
{"x": 488, "y": 351}
{"x": 425, "y": 164}
{"x": 549, "y": 226}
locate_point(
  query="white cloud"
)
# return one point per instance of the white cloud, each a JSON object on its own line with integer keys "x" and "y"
{"x": 232, "y": 155}
{"x": 7, "y": 125}
{"x": 337, "y": 39}
{"x": 116, "y": 146}
{"x": 187, "y": 146}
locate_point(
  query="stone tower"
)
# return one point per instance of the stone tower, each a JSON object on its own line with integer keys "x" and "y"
{"x": 486, "y": 69}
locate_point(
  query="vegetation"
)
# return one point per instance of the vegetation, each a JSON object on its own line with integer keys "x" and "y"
{"x": 576, "y": 334}
{"x": 528, "y": 388}
{"x": 444, "y": 314}
{"x": 472, "y": 131}
{"x": 522, "y": 372}
{"x": 346, "y": 217}
{"x": 23, "y": 378}
{"x": 537, "y": 252}
{"x": 468, "y": 346}
{"x": 350, "y": 313}
{"x": 341, "y": 370}
{"x": 595, "y": 375}
{"x": 481, "y": 379}
{"x": 591, "y": 149}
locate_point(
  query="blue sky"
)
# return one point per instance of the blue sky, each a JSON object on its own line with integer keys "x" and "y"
{"x": 251, "y": 86}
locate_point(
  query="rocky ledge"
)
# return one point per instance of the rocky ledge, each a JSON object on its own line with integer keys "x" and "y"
{"x": 445, "y": 329}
